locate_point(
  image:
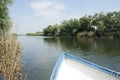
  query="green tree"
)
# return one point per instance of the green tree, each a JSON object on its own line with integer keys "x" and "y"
{"x": 5, "y": 22}
{"x": 100, "y": 23}
{"x": 69, "y": 27}
{"x": 85, "y": 23}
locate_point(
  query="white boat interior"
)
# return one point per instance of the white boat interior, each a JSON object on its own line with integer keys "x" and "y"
{"x": 71, "y": 69}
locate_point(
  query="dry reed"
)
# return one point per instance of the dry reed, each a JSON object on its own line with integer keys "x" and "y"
{"x": 10, "y": 55}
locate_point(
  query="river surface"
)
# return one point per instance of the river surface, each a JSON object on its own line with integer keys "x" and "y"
{"x": 39, "y": 54}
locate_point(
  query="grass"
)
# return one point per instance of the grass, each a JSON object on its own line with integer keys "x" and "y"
{"x": 10, "y": 57}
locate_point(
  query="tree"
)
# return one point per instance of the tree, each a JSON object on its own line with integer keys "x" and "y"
{"x": 100, "y": 23}
{"x": 69, "y": 27}
{"x": 86, "y": 23}
{"x": 4, "y": 15}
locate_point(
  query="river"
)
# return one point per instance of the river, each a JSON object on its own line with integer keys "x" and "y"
{"x": 39, "y": 54}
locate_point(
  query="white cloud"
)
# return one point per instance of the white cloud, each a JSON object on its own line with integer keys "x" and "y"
{"x": 47, "y": 8}
{"x": 28, "y": 17}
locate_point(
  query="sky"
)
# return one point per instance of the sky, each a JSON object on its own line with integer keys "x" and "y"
{"x": 30, "y": 16}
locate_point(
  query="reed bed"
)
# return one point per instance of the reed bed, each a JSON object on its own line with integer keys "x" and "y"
{"x": 10, "y": 57}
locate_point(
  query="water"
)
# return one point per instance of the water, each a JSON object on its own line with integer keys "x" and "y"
{"x": 40, "y": 53}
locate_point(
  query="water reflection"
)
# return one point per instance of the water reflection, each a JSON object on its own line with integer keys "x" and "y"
{"x": 71, "y": 43}
{"x": 105, "y": 52}
{"x": 40, "y": 53}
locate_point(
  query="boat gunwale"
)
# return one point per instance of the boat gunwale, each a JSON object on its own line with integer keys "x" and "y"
{"x": 57, "y": 66}
{"x": 83, "y": 61}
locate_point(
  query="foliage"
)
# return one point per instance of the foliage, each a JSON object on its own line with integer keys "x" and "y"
{"x": 35, "y": 34}
{"x": 5, "y": 22}
{"x": 10, "y": 65}
{"x": 102, "y": 23}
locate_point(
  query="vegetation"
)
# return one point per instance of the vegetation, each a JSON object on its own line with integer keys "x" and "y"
{"x": 5, "y": 22}
{"x": 10, "y": 65}
{"x": 35, "y": 34}
{"x": 98, "y": 25}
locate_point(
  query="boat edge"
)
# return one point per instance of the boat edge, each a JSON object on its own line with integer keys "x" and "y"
{"x": 80, "y": 60}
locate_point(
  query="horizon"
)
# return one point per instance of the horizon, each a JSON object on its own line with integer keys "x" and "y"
{"x": 36, "y": 15}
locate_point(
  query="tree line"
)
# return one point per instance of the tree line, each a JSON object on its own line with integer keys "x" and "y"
{"x": 35, "y": 34}
{"x": 99, "y": 25}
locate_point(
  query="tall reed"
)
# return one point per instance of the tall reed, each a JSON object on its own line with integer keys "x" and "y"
{"x": 10, "y": 64}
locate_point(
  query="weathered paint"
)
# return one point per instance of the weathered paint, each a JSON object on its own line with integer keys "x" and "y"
{"x": 1, "y": 78}
{"x": 69, "y": 67}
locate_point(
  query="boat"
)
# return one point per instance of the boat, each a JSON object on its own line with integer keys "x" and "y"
{"x": 69, "y": 67}
{"x": 1, "y": 78}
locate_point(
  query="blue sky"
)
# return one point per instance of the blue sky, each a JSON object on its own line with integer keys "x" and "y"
{"x": 34, "y": 15}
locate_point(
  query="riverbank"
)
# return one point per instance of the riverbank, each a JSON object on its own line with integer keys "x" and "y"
{"x": 35, "y": 34}
{"x": 91, "y": 34}
{"x": 10, "y": 51}
{"x": 10, "y": 57}
{"x": 97, "y": 25}
{"x": 86, "y": 34}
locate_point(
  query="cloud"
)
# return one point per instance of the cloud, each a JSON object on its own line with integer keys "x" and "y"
{"x": 47, "y": 8}
{"x": 28, "y": 18}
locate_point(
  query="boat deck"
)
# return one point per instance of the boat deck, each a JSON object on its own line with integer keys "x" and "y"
{"x": 69, "y": 67}
{"x": 72, "y": 70}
